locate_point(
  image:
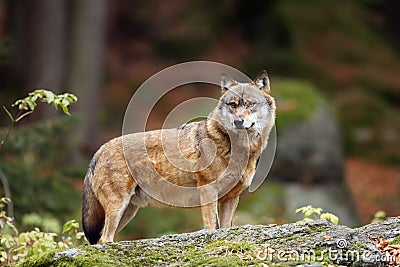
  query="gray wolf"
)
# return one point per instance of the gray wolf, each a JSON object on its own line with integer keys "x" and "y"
{"x": 217, "y": 157}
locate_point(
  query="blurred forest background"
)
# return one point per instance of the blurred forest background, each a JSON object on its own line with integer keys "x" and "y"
{"x": 334, "y": 68}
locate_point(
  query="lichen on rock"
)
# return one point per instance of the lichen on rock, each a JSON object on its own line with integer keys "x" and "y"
{"x": 314, "y": 243}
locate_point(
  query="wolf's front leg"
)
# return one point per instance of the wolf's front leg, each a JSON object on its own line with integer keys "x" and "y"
{"x": 209, "y": 210}
{"x": 227, "y": 210}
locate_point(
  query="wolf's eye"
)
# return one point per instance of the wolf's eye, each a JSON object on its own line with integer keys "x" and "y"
{"x": 250, "y": 104}
{"x": 232, "y": 104}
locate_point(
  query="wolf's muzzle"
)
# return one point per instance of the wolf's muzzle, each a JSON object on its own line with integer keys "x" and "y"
{"x": 238, "y": 123}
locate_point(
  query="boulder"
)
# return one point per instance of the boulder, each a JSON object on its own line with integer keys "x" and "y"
{"x": 314, "y": 243}
{"x": 309, "y": 147}
{"x": 310, "y": 151}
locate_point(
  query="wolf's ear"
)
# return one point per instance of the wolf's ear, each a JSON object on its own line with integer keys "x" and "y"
{"x": 262, "y": 81}
{"x": 226, "y": 83}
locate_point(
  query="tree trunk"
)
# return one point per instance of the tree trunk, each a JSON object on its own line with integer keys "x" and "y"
{"x": 86, "y": 66}
{"x": 40, "y": 28}
{"x": 393, "y": 23}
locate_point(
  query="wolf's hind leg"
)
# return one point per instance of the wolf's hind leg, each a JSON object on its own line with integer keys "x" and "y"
{"x": 113, "y": 213}
{"x": 129, "y": 213}
{"x": 227, "y": 210}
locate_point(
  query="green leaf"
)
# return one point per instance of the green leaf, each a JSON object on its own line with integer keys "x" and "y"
{"x": 12, "y": 226}
{"x": 30, "y": 103}
{"x": 22, "y": 238}
{"x": 317, "y": 210}
{"x": 34, "y": 97}
{"x": 21, "y": 105}
{"x": 56, "y": 102}
{"x": 65, "y": 102}
{"x": 64, "y": 109}
{"x": 330, "y": 217}
{"x": 303, "y": 209}
{"x": 71, "y": 98}
{"x": 308, "y": 213}
{"x": 49, "y": 96}
{"x": 70, "y": 226}
{"x": 299, "y": 210}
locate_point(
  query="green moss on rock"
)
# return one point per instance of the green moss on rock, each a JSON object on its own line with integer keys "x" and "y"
{"x": 296, "y": 100}
{"x": 284, "y": 245}
{"x": 396, "y": 240}
{"x": 44, "y": 259}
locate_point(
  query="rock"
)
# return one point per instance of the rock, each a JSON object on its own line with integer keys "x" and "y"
{"x": 310, "y": 151}
{"x": 385, "y": 230}
{"x": 315, "y": 243}
{"x": 69, "y": 253}
{"x": 309, "y": 147}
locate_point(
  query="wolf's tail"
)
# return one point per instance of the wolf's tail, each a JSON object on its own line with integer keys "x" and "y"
{"x": 92, "y": 211}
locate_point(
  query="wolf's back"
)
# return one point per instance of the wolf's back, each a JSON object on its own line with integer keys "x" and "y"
{"x": 92, "y": 211}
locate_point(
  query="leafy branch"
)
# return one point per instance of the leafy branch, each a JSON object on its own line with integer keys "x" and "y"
{"x": 15, "y": 246}
{"x": 310, "y": 213}
{"x": 27, "y": 105}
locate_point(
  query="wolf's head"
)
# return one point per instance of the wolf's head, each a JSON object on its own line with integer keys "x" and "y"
{"x": 246, "y": 106}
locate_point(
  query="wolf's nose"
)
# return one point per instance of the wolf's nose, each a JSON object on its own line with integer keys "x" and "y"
{"x": 238, "y": 122}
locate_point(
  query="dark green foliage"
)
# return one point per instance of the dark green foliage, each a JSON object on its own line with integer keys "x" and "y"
{"x": 185, "y": 49}
{"x": 152, "y": 222}
{"x": 33, "y": 160}
{"x": 15, "y": 247}
{"x": 6, "y": 50}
